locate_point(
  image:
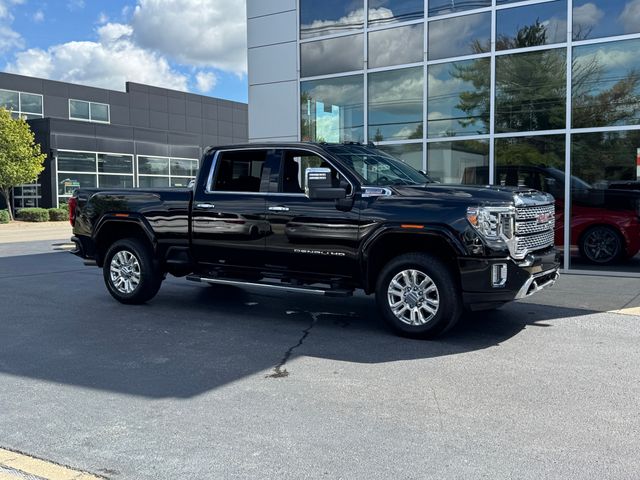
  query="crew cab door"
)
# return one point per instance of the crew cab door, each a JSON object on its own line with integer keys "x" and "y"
{"x": 228, "y": 214}
{"x": 310, "y": 236}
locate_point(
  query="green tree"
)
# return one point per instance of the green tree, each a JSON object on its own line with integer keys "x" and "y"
{"x": 21, "y": 159}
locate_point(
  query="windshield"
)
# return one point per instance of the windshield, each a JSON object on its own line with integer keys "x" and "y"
{"x": 377, "y": 168}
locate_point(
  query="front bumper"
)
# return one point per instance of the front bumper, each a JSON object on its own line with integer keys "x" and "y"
{"x": 523, "y": 278}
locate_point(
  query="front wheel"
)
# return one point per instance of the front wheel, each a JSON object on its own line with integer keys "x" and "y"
{"x": 129, "y": 272}
{"x": 601, "y": 245}
{"x": 418, "y": 296}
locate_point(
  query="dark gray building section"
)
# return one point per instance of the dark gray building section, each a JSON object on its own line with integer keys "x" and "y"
{"x": 144, "y": 120}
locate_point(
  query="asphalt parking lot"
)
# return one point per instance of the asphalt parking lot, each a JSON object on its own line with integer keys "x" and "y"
{"x": 211, "y": 382}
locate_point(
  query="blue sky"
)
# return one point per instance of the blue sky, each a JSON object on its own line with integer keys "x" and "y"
{"x": 191, "y": 45}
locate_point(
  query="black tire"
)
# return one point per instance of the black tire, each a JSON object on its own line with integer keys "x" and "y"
{"x": 448, "y": 309}
{"x": 147, "y": 275}
{"x": 601, "y": 245}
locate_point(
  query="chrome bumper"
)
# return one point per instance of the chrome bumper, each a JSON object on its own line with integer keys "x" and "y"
{"x": 537, "y": 282}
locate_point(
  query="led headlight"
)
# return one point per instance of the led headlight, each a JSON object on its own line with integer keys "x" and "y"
{"x": 492, "y": 223}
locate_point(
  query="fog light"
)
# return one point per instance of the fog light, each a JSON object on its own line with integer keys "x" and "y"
{"x": 499, "y": 275}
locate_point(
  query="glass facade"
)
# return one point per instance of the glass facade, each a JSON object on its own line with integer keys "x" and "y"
{"x": 544, "y": 94}
{"x": 88, "y": 111}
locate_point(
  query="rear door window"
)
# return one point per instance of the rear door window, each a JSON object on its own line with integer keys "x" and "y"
{"x": 240, "y": 171}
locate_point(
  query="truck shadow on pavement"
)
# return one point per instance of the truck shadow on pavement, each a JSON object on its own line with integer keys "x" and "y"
{"x": 60, "y": 325}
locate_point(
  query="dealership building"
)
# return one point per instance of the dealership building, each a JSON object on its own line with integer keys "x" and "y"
{"x": 143, "y": 137}
{"x": 471, "y": 91}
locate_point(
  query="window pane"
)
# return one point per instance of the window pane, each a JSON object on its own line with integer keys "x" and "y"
{"x": 76, "y": 162}
{"x": 531, "y": 91}
{"x": 453, "y": 37}
{"x": 332, "y": 109}
{"x": 30, "y": 103}
{"x": 115, "y": 181}
{"x": 240, "y": 171}
{"x": 69, "y": 182}
{"x": 459, "y": 97}
{"x": 153, "y": 165}
{"x": 604, "y": 18}
{"x": 606, "y": 84}
{"x": 440, "y": 7}
{"x": 99, "y": 112}
{"x": 395, "y": 104}
{"x": 79, "y": 109}
{"x": 115, "y": 163}
{"x": 9, "y": 100}
{"x": 532, "y": 25}
{"x": 409, "y": 153}
{"x": 605, "y": 190}
{"x": 388, "y": 11}
{"x": 335, "y": 55}
{"x": 535, "y": 162}
{"x": 330, "y": 16}
{"x": 395, "y": 46}
{"x": 185, "y": 168}
{"x": 153, "y": 182}
{"x": 180, "y": 181}
{"x": 459, "y": 162}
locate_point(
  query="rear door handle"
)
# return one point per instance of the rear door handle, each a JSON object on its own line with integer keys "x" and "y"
{"x": 205, "y": 205}
{"x": 279, "y": 209}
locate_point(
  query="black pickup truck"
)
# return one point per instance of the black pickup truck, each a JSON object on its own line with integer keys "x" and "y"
{"x": 325, "y": 219}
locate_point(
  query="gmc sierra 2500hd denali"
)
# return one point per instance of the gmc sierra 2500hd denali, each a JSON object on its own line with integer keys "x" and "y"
{"x": 325, "y": 219}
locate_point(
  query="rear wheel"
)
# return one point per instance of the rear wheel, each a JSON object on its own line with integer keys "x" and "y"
{"x": 418, "y": 296}
{"x": 129, "y": 272}
{"x": 601, "y": 245}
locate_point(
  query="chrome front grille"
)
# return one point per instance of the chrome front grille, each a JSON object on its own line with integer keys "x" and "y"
{"x": 534, "y": 229}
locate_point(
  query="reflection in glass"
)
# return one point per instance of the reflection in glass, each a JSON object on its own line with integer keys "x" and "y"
{"x": 410, "y": 153}
{"x": 70, "y": 182}
{"x": 336, "y": 55}
{"x": 531, "y": 91}
{"x": 115, "y": 163}
{"x": 79, "y": 110}
{"x": 30, "y": 103}
{"x": 605, "y": 210}
{"x": 440, "y": 7}
{"x": 115, "y": 181}
{"x": 153, "y": 165}
{"x": 99, "y": 112}
{"x": 389, "y": 11}
{"x": 180, "y": 181}
{"x": 76, "y": 162}
{"x": 457, "y": 162}
{"x": 183, "y": 167}
{"x": 395, "y": 46}
{"x": 604, "y": 18}
{"x": 153, "y": 182}
{"x": 9, "y": 100}
{"x": 330, "y": 16}
{"x": 331, "y": 110}
{"x": 395, "y": 104}
{"x": 606, "y": 84}
{"x": 459, "y": 97}
{"x": 532, "y": 25}
{"x": 457, "y": 36}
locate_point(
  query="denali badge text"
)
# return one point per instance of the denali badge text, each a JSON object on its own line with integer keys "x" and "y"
{"x": 319, "y": 252}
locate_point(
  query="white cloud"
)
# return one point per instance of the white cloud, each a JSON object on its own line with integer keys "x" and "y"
{"x": 9, "y": 38}
{"x": 453, "y": 37}
{"x": 38, "y": 16}
{"x": 102, "y": 18}
{"x": 206, "y": 81}
{"x": 73, "y": 5}
{"x": 587, "y": 15}
{"x": 630, "y": 16}
{"x": 209, "y": 33}
{"x": 107, "y": 63}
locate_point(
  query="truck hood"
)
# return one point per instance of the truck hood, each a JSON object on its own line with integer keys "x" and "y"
{"x": 475, "y": 193}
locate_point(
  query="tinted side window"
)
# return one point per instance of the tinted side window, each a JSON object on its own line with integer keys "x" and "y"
{"x": 240, "y": 171}
{"x": 296, "y": 163}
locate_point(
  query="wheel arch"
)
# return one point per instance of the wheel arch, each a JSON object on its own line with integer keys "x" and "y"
{"x": 110, "y": 229}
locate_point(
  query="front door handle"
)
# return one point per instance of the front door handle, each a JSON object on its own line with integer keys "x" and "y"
{"x": 279, "y": 209}
{"x": 205, "y": 205}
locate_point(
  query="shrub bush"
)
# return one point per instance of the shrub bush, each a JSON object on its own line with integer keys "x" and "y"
{"x": 33, "y": 215}
{"x": 58, "y": 214}
{"x": 4, "y": 216}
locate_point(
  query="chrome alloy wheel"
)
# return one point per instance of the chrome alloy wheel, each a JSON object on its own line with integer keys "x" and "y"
{"x": 413, "y": 297}
{"x": 125, "y": 272}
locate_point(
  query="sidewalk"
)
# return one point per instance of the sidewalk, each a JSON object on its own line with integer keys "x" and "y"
{"x": 16, "y": 232}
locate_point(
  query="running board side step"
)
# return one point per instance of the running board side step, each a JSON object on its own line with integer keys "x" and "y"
{"x": 328, "y": 292}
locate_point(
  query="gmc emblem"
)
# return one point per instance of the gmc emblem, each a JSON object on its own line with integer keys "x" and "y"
{"x": 544, "y": 218}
